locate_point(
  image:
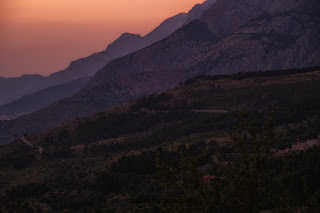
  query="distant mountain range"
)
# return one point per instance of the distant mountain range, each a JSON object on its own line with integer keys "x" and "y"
{"x": 229, "y": 37}
{"x": 35, "y": 101}
{"x": 15, "y": 88}
{"x": 198, "y": 9}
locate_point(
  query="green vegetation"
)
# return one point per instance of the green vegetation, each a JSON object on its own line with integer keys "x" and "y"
{"x": 240, "y": 76}
{"x": 17, "y": 156}
{"x": 150, "y": 155}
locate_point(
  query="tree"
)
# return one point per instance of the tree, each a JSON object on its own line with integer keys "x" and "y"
{"x": 251, "y": 179}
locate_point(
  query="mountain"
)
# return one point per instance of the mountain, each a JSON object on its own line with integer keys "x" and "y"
{"x": 127, "y": 43}
{"x": 217, "y": 94}
{"x": 14, "y": 88}
{"x": 153, "y": 153}
{"x": 229, "y": 37}
{"x": 35, "y": 101}
{"x": 198, "y": 9}
{"x": 166, "y": 28}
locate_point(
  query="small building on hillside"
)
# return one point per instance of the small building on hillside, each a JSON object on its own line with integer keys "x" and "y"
{"x": 300, "y": 146}
{"x": 208, "y": 179}
{"x": 282, "y": 152}
{"x": 312, "y": 143}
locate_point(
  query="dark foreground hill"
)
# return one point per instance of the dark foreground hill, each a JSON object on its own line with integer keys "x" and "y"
{"x": 230, "y": 37}
{"x": 151, "y": 154}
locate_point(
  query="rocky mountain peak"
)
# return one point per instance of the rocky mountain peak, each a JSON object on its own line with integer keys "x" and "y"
{"x": 198, "y": 9}
{"x": 129, "y": 35}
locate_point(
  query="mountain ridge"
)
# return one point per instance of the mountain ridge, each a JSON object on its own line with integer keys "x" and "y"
{"x": 39, "y": 99}
{"x": 257, "y": 41}
{"x": 88, "y": 66}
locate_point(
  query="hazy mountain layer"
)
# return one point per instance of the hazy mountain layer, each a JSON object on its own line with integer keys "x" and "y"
{"x": 198, "y": 9}
{"x": 35, "y": 101}
{"x": 14, "y": 88}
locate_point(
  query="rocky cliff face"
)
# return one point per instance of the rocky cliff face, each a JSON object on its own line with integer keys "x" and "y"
{"x": 232, "y": 36}
{"x": 267, "y": 35}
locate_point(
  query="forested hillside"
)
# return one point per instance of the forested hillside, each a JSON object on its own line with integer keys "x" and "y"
{"x": 152, "y": 154}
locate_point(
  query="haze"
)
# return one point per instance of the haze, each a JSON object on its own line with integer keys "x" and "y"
{"x": 44, "y": 36}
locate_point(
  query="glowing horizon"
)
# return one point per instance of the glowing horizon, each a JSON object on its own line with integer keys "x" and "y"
{"x": 42, "y": 37}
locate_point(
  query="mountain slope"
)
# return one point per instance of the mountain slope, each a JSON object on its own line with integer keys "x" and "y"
{"x": 14, "y": 88}
{"x": 35, "y": 101}
{"x": 166, "y": 28}
{"x": 198, "y": 9}
{"x": 224, "y": 94}
{"x": 257, "y": 35}
{"x": 111, "y": 160}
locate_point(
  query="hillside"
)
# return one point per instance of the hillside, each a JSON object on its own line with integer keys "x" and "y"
{"x": 217, "y": 94}
{"x": 22, "y": 85}
{"x": 258, "y": 35}
{"x": 110, "y": 160}
{"x": 35, "y": 101}
{"x": 198, "y": 10}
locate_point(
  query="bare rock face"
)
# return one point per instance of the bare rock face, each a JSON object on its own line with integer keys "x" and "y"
{"x": 231, "y": 36}
{"x": 282, "y": 34}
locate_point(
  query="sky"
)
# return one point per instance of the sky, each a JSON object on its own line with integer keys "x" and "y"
{"x": 44, "y": 36}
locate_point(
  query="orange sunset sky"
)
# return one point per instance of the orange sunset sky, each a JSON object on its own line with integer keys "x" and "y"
{"x": 44, "y": 36}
